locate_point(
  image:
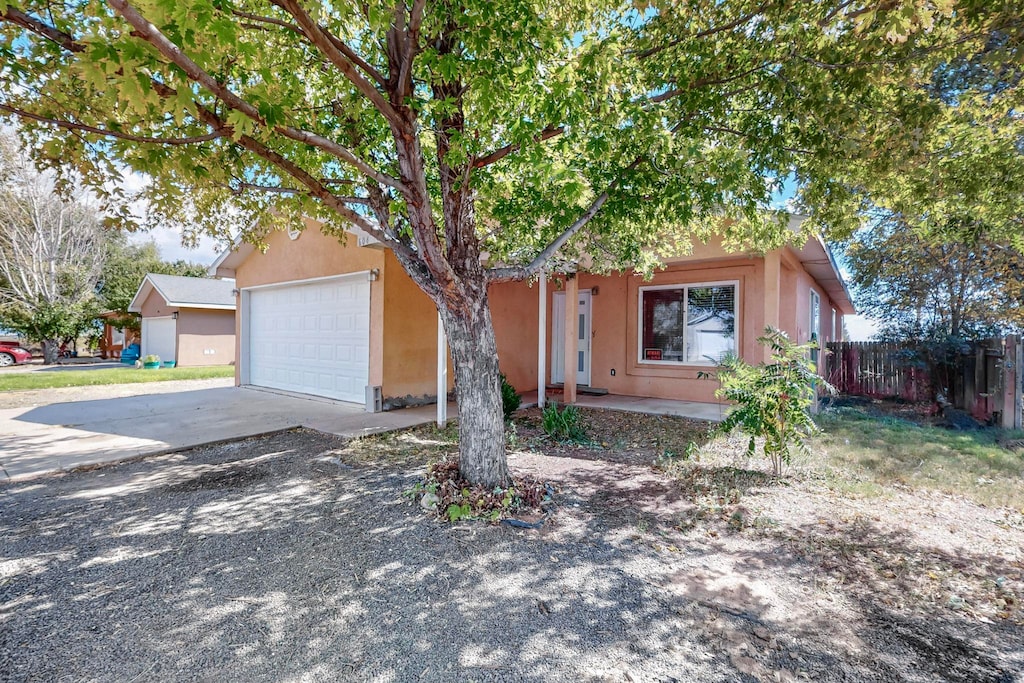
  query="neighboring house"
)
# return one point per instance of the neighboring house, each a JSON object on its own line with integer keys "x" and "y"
{"x": 189, "y": 320}
{"x": 116, "y": 339}
{"x": 345, "y": 321}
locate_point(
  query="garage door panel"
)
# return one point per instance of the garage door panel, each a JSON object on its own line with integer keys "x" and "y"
{"x": 312, "y": 338}
{"x": 159, "y": 337}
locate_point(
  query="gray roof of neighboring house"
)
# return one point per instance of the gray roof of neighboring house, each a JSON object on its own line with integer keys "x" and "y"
{"x": 186, "y": 292}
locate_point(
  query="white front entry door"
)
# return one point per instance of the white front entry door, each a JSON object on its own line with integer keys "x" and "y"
{"x": 311, "y": 338}
{"x": 582, "y": 330}
{"x": 160, "y": 337}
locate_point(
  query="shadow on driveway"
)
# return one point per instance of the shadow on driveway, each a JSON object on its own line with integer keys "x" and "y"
{"x": 60, "y": 436}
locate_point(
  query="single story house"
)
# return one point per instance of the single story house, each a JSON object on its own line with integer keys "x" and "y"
{"x": 344, "y": 320}
{"x": 116, "y": 339}
{"x": 188, "y": 320}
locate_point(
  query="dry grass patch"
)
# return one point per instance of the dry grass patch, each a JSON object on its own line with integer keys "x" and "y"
{"x": 862, "y": 453}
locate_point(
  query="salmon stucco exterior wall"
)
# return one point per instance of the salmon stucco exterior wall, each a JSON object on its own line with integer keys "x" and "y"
{"x": 615, "y": 332}
{"x": 514, "y": 310}
{"x": 204, "y": 336}
{"x": 154, "y": 306}
{"x": 410, "y": 339}
{"x": 403, "y": 321}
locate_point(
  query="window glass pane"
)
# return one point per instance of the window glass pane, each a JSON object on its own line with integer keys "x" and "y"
{"x": 663, "y": 325}
{"x": 815, "y": 322}
{"x": 711, "y": 323}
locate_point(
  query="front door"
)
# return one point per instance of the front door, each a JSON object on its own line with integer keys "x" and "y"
{"x": 558, "y": 339}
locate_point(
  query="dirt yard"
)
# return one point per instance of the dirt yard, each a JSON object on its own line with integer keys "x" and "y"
{"x": 299, "y": 558}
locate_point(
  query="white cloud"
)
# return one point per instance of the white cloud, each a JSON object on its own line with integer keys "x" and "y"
{"x": 168, "y": 241}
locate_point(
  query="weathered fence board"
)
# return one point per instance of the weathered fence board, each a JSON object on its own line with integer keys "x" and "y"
{"x": 984, "y": 380}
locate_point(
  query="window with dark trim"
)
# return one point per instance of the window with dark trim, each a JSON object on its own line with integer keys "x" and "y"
{"x": 687, "y": 324}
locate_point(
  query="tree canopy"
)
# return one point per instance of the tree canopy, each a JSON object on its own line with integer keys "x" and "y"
{"x": 520, "y": 129}
{"x": 682, "y": 111}
{"x": 918, "y": 288}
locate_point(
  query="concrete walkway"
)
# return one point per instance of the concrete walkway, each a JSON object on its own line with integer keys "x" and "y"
{"x": 48, "y": 438}
{"x": 713, "y": 412}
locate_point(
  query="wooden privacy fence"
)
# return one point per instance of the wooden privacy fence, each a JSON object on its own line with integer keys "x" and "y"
{"x": 983, "y": 379}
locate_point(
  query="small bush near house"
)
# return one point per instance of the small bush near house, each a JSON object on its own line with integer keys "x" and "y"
{"x": 565, "y": 424}
{"x": 510, "y": 398}
{"x": 772, "y": 399}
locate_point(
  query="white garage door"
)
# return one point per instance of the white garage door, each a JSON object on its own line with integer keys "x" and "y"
{"x": 159, "y": 337}
{"x": 312, "y": 338}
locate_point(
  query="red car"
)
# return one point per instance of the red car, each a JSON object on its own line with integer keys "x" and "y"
{"x": 12, "y": 354}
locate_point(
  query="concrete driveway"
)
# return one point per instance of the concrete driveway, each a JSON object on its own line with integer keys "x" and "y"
{"x": 60, "y": 434}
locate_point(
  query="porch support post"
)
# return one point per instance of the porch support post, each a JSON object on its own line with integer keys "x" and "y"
{"x": 542, "y": 337}
{"x": 1010, "y": 408}
{"x": 442, "y": 373}
{"x": 571, "y": 341}
{"x": 772, "y": 293}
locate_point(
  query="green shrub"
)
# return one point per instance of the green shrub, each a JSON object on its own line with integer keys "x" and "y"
{"x": 565, "y": 424}
{"x": 773, "y": 399}
{"x": 510, "y": 399}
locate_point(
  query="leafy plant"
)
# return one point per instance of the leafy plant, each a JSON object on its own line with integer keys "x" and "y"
{"x": 565, "y": 424}
{"x": 458, "y": 499}
{"x": 151, "y": 358}
{"x": 773, "y": 399}
{"x": 510, "y": 398}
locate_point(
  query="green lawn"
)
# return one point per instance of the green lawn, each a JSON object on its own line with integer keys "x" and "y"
{"x": 868, "y": 454}
{"x": 19, "y": 381}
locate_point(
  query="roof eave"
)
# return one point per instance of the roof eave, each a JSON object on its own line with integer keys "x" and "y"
{"x": 822, "y": 266}
{"x": 212, "y": 307}
{"x": 146, "y": 286}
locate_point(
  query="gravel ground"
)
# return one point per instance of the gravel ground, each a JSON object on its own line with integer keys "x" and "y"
{"x": 273, "y": 560}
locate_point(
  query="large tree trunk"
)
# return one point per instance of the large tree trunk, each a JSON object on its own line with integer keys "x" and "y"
{"x": 51, "y": 347}
{"x": 482, "y": 458}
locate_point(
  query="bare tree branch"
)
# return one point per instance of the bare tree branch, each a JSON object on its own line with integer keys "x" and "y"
{"x": 52, "y": 34}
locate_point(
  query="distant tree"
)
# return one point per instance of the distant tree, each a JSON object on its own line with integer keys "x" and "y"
{"x": 125, "y": 267}
{"x": 51, "y": 253}
{"x": 919, "y": 288}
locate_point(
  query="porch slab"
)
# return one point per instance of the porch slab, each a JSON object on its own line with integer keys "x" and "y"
{"x": 712, "y": 412}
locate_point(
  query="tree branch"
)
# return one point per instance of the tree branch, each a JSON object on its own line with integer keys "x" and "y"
{"x": 208, "y": 117}
{"x": 106, "y": 132}
{"x": 412, "y": 42}
{"x": 501, "y": 153}
{"x": 33, "y": 25}
{"x": 650, "y": 52}
{"x": 531, "y": 269}
{"x": 342, "y": 57}
{"x": 152, "y": 35}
